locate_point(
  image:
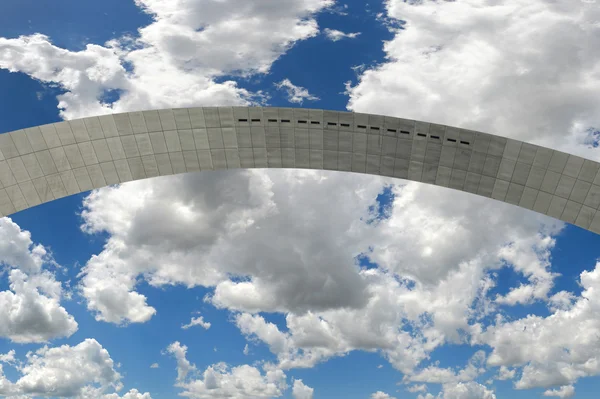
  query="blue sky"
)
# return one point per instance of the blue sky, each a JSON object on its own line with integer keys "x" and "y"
{"x": 446, "y": 64}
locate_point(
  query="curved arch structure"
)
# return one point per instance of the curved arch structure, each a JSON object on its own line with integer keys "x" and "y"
{"x": 44, "y": 163}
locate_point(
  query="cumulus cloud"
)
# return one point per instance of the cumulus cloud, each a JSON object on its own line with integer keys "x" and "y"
{"x": 220, "y": 381}
{"x": 17, "y": 250}
{"x": 189, "y": 44}
{"x": 381, "y": 395}
{"x": 84, "y": 371}
{"x": 437, "y": 375}
{"x": 436, "y": 257}
{"x": 197, "y": 321}
{"x": 154, "y": 366}
{"x": 132, "y": 394}
{"x": 490, "y": 70}
{"x": 505, "y": 373}
{"x": 184, "y": 367}
{"x": 554, "y": 350}
{"x": 417, "y": 388}
{"x": 295, "y": 94}
{"x": 6, "y": 387}
{"x": 466, "y": 390}
{"x": 8, "y": 357}
{"x": 64, "y": 371}
{"x": 335, "y": 35}
{"x": 109, "y": 292}
{"x": 189, "y": 251}
{"x": 30, "y": 312}
{"x": 478, "y": 71}
{"x": 30, "y": 309}
{"x": 302, "y": 391}
{"x": 240, "y": 382}
{"x": 567, "y": 391}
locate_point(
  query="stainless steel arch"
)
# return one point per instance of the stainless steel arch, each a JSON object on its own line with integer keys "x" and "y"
{"x": 44, "y": 163}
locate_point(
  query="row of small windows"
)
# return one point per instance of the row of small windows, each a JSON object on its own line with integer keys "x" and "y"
{"x": 359, "y": 126}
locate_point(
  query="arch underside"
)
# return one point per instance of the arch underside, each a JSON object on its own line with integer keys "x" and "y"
{"x": 44, "y": 163}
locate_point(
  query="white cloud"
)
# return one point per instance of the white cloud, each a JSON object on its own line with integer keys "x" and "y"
{"x": 480, "y": 69}
{"x": 83, "y": 371}
{"x": 554, "y": 350}
{"x": 336, "y": 35}
{"x": 30, "y": 309}
{"x": 381, "y": 395}
{"x": 189, "y": 253}
{"x": 246, "y": 350}
{"x": 302, "y": 391}
{"x": 466, "y": 390}
{"x": 189, "y": 44}
{"x": 295, "y": 94}
{"x": 437, "y": 254}
{"x": 417, "y": 388}
{"x": 197, "y": 321}
{"x": 567, "y": 391}
{"x": 154, "y": 366}
{"x": 17, "y": 250}
{"x": 436, "y": 375}
{"x": 8, "y": 357}
{"x": 6, "y": 387}
{"x": 505, "y": 373}
{"x": 219, "y": 381}
{"x": 184, "y": 367}
{"x": 109, "y": 291}
{"x": 461, "y": 390}
{"x": 562, "y": 300}
{"x": 535, "y": 265}
{"x": 132, "y": 394}
{"x": 241, "y": 382}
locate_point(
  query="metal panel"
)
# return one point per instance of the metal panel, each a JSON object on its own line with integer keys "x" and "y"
{"x": 21, "y": 142}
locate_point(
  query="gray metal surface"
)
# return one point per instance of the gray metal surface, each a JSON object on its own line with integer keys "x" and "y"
{"x": 44, "y": 163}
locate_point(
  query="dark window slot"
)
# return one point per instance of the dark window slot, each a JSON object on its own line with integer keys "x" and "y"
{"x": 361, "y": 126}
{"x": 285, "y": 121}
{"x": 272, "y": 120}
{"x": 331, "y": 124}
{"x": 465, "y": 142}
{"x": 374, "y": 128}
{"x": 421, "y": 135}
{"x": 243, "y": 120}
{"x": 345, "y": 124}
{"x": 451, "y": 140}
{"x": 404, "y": 132}
{"x": 392, "y": 130}
{"x": 255, "y": 120}
{"x": 435, "y": 137}
{"x": 315, "y": 122}
{"x": 301, "y": 121}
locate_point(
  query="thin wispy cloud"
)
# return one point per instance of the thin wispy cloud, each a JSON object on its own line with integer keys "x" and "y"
{"x": 295, "y": 94}
{"x": 197, "y": 321}
{"x": 335, "y": 35}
